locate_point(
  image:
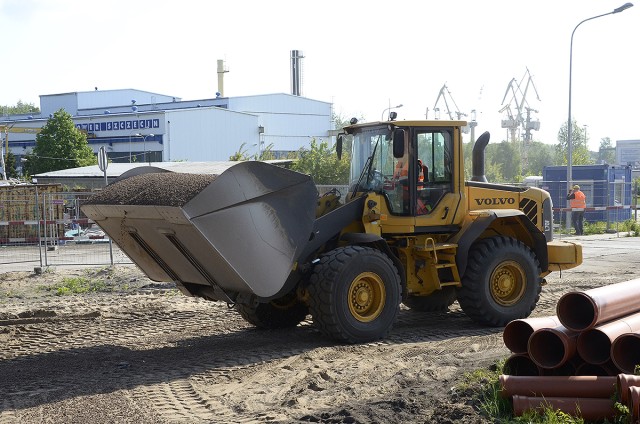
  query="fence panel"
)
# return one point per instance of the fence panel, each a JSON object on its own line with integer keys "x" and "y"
{"x": 47, "y": 228}
{"x": 75, "y": 239}
{"x": 19, "y": 220}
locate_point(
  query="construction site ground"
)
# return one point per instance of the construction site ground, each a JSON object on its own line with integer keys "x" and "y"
{"x": 136, "y": 351}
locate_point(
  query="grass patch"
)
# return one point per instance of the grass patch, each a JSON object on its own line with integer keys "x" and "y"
{"x": 630, "y": 226}
{"x": 78, "y": 285}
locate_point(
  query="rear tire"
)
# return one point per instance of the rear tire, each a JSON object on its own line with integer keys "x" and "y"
{"x": 354, "y": 294}
{"x": 285, "y": 312}
{"x": 438, "y": 301}
{"x": 501, "y": 282}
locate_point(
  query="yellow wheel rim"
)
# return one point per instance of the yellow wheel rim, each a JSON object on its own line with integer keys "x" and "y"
{"x": 366, "y": 297}
{"x": 508, "y": 282}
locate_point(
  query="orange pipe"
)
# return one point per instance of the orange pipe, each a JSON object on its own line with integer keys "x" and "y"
{"x": 517, "y": 332}
{"x": 591, "y": 409}
{"x": 624, "y": 382}
{"x": 606, "y": 369}
{"x": 579, "y": 311}
{"x": 634, "y": 404}
{"x": 557, "y": 386}
{"x": 521, "y": 364}
{"x": 625, "y": 352}
{"x": 568, "y": 368}
{"x": 552, "y": 347}
{"x": 594, "y": 345}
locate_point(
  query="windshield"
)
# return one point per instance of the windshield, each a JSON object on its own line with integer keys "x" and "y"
{"x": 378, "y": 164}
{"x": 412, "y": 184}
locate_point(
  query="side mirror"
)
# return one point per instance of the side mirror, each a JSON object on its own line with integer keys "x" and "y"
{"x": 339, "y": 146}
{"x": 398, "y": 143}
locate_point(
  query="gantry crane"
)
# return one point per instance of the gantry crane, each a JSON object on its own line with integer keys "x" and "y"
{"x": 518, "y": 112}
{"x": 444, "y": 94}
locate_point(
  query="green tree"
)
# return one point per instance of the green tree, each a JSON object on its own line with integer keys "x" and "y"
{"x": 579, "y": 151}
{"x": 20, "y": 108}
{"x": 606, "y": 152}
{"x": 10, "y": 163}
{"x": 60, "y": 145}
{"x": 321, "y": 162}
{"x": 340, "y": 122}
{"x": 539, "y": 155}
{"x": 506, "y": 154}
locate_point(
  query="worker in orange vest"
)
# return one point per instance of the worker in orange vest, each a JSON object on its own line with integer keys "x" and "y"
{"x": 401, "y": 175}
{"x": 578, "y": 203}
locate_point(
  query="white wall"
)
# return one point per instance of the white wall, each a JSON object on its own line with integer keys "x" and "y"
{"x": 208, "y": 134}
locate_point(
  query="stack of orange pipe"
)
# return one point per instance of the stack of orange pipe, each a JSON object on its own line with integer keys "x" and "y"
{"x": 578, "y": 359}
{"x": 595, "y": 332}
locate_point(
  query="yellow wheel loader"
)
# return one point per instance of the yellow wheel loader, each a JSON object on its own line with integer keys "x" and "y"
{"x": 411, "y": 230}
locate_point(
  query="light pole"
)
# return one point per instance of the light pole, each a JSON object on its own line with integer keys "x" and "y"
{"x": 472, "y": 125}
{"x": 144, "y": 145}
{"x": 131, "y": 135}
{"x": 389, "y": 109}
{"x": 569, "y": 124}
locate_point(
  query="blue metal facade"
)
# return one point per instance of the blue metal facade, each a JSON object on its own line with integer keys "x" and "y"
{"x": 607, "y": 187}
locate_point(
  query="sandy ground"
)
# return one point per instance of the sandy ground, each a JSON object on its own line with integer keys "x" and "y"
{"x": 138, "y": 351}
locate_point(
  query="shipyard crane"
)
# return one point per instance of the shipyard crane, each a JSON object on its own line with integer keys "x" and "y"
{"x": 446, "y": 97}
{"x": 517, "y": 106}
{"x": 518, "y": 112}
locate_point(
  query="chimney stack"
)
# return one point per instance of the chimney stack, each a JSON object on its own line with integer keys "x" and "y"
{"x": 296, "y": 72}
{"x": 221, "y": 71}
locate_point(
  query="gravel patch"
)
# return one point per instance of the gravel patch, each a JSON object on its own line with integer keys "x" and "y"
{"x": 153, "y": 189}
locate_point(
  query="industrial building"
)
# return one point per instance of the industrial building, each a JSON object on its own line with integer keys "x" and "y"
{"x": 628, "y": 153}
{"x": 141, "y": 126}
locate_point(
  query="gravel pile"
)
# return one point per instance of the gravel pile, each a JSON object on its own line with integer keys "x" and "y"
{"x": 153, "y": 189}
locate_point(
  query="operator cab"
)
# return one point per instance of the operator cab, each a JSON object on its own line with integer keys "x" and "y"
{"x": 410, "y": 163}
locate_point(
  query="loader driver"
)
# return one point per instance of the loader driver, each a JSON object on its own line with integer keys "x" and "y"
{"x": 401, "y": 175}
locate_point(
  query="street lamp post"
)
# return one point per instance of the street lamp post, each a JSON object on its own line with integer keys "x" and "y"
{"x": 472, "y": 125}
{"x": 389, "y": 109}
{"x": 144, "y": 145}
{"x": 569, "y": 123}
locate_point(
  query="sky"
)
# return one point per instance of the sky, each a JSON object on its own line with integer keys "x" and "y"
{"x": 363, "y": 56}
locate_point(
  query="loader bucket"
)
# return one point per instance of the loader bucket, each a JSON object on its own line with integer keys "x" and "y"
{"x": 238, "y": 232}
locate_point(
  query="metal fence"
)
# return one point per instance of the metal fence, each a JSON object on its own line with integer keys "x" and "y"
{"x": 611, "y": 202}
{"x": 59, "y": 235}
{"x": 62, "y": 235}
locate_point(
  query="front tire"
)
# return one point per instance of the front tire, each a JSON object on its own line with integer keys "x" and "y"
{"x": 501, "y": 282}
{"x": 354, "y": 294}
{"x": 285, "y": 312}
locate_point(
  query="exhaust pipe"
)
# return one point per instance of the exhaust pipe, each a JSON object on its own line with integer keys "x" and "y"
{"x": 592, "y": 409}
{"x": 624, "y": 383}
{"x": 625, "y": 352}
{"x": 594, "y": 345}
{"x": 552, "y": 347}
{"x": 477, "y": 157}
{"x": 579, "y": 311}
{"x": 517, "y": 332}
{"x": 550, "y": 386}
